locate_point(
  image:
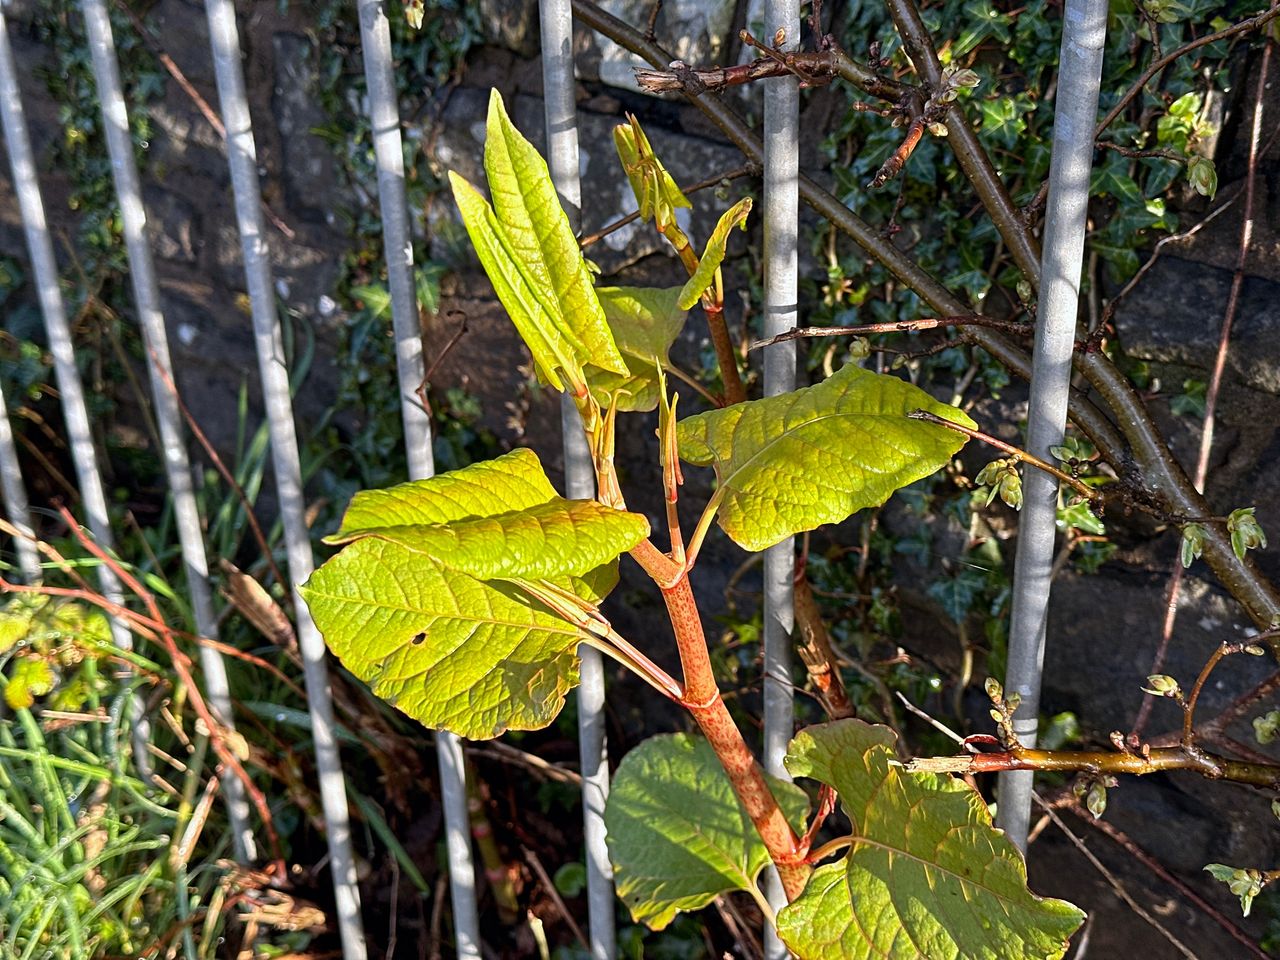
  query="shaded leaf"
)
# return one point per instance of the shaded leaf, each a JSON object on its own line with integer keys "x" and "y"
{"x": 816, "y": 455}
{"x": 678, "y": 837}
{"x": 926, "y": 874}
{"x": 645, "y": 322}
{"x": 714, "y": 253}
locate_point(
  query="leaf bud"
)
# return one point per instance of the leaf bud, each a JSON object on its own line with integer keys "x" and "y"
{"x": 994, "y": 690}
{"x": 1162, "y": 685}
{"x": 1096, "y": 801}
{"x": 1246, "y": 533}
{"x": 1203, "y": 176}
{"x": 1192, "y": 545}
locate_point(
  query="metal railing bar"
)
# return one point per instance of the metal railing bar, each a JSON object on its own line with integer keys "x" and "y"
{"x": 384, "y": 115}
{"x": 75, "y": 413}
{"x": 781, "y": 201}
{"x": 146, "y": 295}
{"x": 224, "y": 42}
{"x": 561, "y": 115}
{"x": 17, "y": 508}
{"x": 1075, "y": 112}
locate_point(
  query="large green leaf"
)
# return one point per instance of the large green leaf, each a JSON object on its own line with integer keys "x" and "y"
{"x": 927, "y": 875}
{"x": 493, "y": 520}
{"x": 678, "y": 837}
{"x": 816, "y": 455}
{"x": 714, "y": 253}
{"x": 645, "y": 322}
{"x": 452, "y": 651}
{"x": 558, "y": 538}
{"x": 512, "y": 481}
{"x": 532, "y": 257}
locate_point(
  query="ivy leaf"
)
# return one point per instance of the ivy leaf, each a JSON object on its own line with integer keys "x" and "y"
{"x": 1079, "y": 516}
{"x": 452, "y": 651}
{"x": 645, "y": 322}
{"x": 532, "y": 258}
{"x": 926, "y": 874}
{"x": 30, "y": 677}
{"x": 678, "y": 837}
{"x": 817, "y": 455}
{"x": 714, "y": 253}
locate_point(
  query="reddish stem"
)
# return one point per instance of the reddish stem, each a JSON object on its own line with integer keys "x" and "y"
{"x": 702, "y": 699}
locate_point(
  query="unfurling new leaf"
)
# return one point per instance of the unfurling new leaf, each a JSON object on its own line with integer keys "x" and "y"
{"x": 528, "y": 249}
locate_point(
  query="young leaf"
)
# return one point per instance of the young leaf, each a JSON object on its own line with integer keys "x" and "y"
{"x": 816, "y": 455}
{"x": 645, "y": 322}
{"x": 530, "y": 254}
{"x": 926, "y": 875}
{"x": 713, "y": 255}
{"x": 678, "y": 837}
{"x": 657, "y": 194}
{"x": 453, "y": 652}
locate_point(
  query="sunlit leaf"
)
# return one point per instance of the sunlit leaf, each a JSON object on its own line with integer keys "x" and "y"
{"x": 456, "y": 653}
{"x": 794, "y": 462}
{"x": 713, "y": 254}
{"x": 528, "y": 249}
{"x": 926, "y": 874}
{"x": 657, "y": 194}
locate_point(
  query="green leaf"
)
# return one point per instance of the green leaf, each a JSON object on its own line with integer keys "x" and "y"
{"x": 558, "y": 538}
{"x": 497, "y": 519}
{"x": 1079, "y": 516}
{"x": 454, "y": 652}
{"x": 512, "y": 481}
{"x": 713, "y": 255}
{"x": 926, "y": 874}
{"x": 645, "y": 322}
{"x": 30, "y": 677}
{"x": 678, "y": 837}
{"x": 532, "y": 257}
{"x": 816, "y": 455}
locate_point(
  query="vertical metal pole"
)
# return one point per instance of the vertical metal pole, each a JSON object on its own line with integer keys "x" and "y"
{"x": 45, "y": 270}
{"x": 15, "y": 491}
{"x": 375, "y": 38}
{"x": 781, "y": 197}
{"x": 146, "y": 295}
{"x": 562, "y": 159}
{"x": 242, "y": 158}
{"x": 1076, "y": 111}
